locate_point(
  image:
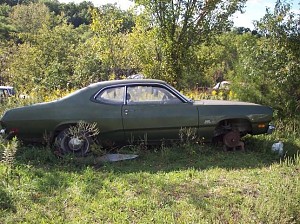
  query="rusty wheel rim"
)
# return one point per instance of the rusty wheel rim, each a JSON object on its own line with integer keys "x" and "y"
{"x": 232, "y": 139}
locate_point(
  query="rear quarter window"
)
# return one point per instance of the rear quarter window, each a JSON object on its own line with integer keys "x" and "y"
{"x": 113, "y": 95}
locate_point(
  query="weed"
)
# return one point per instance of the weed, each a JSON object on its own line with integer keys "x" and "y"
{"x": 8, "y": 157}
{"x": 97, "y": 149}
{"x": 47, "y": 139}
{"x": 189, "y": 140}
{"x": 164, "y": 150}
{"x": 9, "y": 151}
{"x": 144, "y": 142}
{"x": 84, "y": 135}
{"x": 188, "y": 136}
{"x": 82, "y": 127}
{"x": 166, "y": 185}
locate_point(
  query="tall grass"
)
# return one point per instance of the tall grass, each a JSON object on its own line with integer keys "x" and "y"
{"x": 185, "y": 183}
{"x": 209, "y": 186}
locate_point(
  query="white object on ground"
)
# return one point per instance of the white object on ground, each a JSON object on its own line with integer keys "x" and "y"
{"x": 278, "y": 147}
{"x": 116, "y": 157}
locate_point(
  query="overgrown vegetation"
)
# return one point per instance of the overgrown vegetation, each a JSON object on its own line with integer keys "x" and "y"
{"x": 185, "y": 183}
{"x": 61, "y": 47}
{"x": 190, "y": 44}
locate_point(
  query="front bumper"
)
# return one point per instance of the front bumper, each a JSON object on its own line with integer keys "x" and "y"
{"x": 271, "y": 129}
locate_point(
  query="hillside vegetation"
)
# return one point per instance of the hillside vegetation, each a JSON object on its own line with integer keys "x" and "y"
{"x": 48, "y": 49}
{"x": 56, "y": 46}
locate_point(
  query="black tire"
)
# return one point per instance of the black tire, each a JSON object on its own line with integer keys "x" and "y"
{"x": 79, "y": 145}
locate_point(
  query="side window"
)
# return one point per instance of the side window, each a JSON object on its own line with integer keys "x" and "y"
{"x": 114, "y": 95}
{"x": 150, "y": 95}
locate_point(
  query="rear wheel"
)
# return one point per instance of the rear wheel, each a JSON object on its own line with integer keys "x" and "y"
{"x": 232, "y": 139}
{"x": 76, "y": 143}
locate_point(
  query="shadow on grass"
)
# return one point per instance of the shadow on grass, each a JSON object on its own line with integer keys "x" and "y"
{"x": 41, "y": 172}
{"x": 164, "y": 159}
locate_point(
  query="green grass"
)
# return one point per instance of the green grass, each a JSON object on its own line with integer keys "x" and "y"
{"x": 180, "y": 184}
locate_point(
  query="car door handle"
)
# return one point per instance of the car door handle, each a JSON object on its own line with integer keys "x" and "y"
{"x": 126, "y": 111}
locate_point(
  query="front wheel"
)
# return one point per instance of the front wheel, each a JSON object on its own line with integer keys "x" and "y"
{"x": 76, "y": 143}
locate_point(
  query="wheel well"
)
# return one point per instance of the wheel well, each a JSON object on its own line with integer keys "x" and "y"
{"x": 241, "y": 125}
{"x": 59, "y": 129}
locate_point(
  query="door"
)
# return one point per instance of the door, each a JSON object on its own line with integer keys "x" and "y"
{"x": 108, "y": 113}
{"x": 153, "y": 113}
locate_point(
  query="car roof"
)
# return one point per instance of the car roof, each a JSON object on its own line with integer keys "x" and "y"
{"x": 94, "y": 87}
{"x": 127, "y": 81}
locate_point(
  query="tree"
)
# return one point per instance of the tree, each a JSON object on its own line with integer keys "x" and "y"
{"x": 16, "y": 2}
{"x": 184, "y": 24}
{"x": 111, "y": 41}
{"x": 87, "y": 66}
{"x": 7, "y": 49}
{"x": 126, "y": 18}
{"x": 269, "y": 66}
{"x": 78, "y": 14}
{"x": 47, "y": 60}
{"x": 216, "y": 59}
{"x": 30, "y": 18}
{"x": 6, "y": 26}
{"x": 25, "y": 67}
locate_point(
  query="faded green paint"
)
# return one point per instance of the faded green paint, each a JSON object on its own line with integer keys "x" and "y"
{"x": 123, "y": 122}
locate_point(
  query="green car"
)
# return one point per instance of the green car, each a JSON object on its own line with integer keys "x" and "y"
{"x": 129, "y": 111}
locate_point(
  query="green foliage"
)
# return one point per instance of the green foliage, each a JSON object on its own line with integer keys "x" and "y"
{"x": 171, "y": 185}
{"x": 6, "y": 25}
{"x": 112, "y": 42}
{"x": 216, "y": 59}
{"x": 46, "y": 62}
{"x": 124, "y": 18}
{"x": 185, "y": 24}
{"x": 16, "y": 2}
{"x": 25, "y": 66}
{"x": 187, "y": 43}
{"x": 30, "y": 18}
{"x": 88, "y": 66}
{"x": 143, "y": 50}
{"x": 269, "y": 66}
{"x": 77, "y": 14}
{"x": 9, "y": 150}
{"x": 7, "y": 49}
